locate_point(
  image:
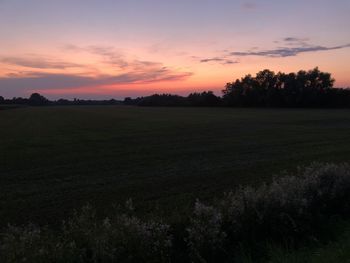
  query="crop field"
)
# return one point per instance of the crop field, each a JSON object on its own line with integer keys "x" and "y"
{"x": 56, "y": 159}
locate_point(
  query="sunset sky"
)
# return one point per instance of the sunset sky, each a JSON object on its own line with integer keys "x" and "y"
{"x": 117, "y": 48}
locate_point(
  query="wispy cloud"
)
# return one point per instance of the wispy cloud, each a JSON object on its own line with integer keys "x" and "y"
{"x": 287, "y": 51}
{"x": 128, "y": 72}
{"x": 54, "y": 81}
{"x": 223, "y": 61}
{"x": 292, "y": 46}
{"x": 117, "y": 58}
{"x": 29, "y": 81}
{"x": 249, "y": 5}
{"x": 109, "y": 55}
{"x": 38, "y": 62}
{"x": 295, "y": 39}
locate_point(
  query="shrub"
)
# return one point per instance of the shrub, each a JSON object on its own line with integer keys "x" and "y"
{"x": 291, "y": 207}
{"x": 205, "y": 233}
{"x": 84, "y": 238}
{"x": 27, "y": 244}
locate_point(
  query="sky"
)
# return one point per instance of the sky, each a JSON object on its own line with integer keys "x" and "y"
{"x": 116, "y": 48}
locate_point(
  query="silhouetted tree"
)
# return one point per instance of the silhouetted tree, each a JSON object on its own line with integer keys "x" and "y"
{"x": 128, "y": 101}
{"x": 37, "y": 100}
{"x": 206, "y": 98}
{"x": 18, "y": 100}
{"x": 267, "y": 89}
{"x": 162, "y": 100}
{"x": 312, "y": 88}
{"x": 63, "y": 102}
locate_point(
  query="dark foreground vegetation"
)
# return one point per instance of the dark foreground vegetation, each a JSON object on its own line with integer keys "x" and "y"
{"x": 293, "y": 210}
{"x": 306, "y": 89}
{"x": 56, "y": 159}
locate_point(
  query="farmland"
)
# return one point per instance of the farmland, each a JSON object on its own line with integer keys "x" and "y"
{"x": 56, "y": 159}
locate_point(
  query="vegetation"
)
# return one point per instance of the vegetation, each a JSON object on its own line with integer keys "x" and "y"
{"x": 56, "y": 159}
{"x": 290, "y": 208}
{"x": 306, "y": 89}
{"x": 337, "y": 250}
{"x": 203, "y": 99}
{"x": 36, "y": 99}
{"x": 83, "y": 238}
{"x": 311, "y": 88}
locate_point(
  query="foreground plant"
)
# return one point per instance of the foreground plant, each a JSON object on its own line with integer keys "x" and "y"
{"x": 292, "y": 207}
{"x": 84, "y": 238}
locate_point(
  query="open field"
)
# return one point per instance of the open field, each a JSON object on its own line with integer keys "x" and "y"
{"x": 10, "y": 106}
{"x": 54, "y": 159}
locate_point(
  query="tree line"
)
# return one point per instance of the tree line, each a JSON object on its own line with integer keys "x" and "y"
{"x": 36, "y": 99}
{"x": 206, "y": 98}
{"x": 312, "y": 88}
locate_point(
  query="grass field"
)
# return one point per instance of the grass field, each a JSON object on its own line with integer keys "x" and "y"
{"x": 55, "y": 159}
{"x": 336, "y": 251}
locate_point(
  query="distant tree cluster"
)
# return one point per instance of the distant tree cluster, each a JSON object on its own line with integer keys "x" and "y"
{"x": 38, "y": 100}
{"x": 307, "y": 89}
{"x": 206, "y": 98}
{"x": 35, "y": 100}
{"x": 86, "y": 102}
{"x": 157, "y": 100}
{"x": 311, "y": 88}
{"x": 203, "y": 99}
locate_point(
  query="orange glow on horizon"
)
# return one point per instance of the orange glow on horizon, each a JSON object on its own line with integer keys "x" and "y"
{"x": 107, "y": 71}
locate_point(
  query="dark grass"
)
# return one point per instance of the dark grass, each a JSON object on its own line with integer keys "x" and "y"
{"x": 55, "y": 159}
{"x": 10, "y": 106}
{"x": 336, "y": 250}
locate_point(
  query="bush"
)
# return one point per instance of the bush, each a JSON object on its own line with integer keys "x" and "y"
{"x": 205, "y": 234}
{"x": 292, "y": 207}
{"x": 84, "y": 238}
